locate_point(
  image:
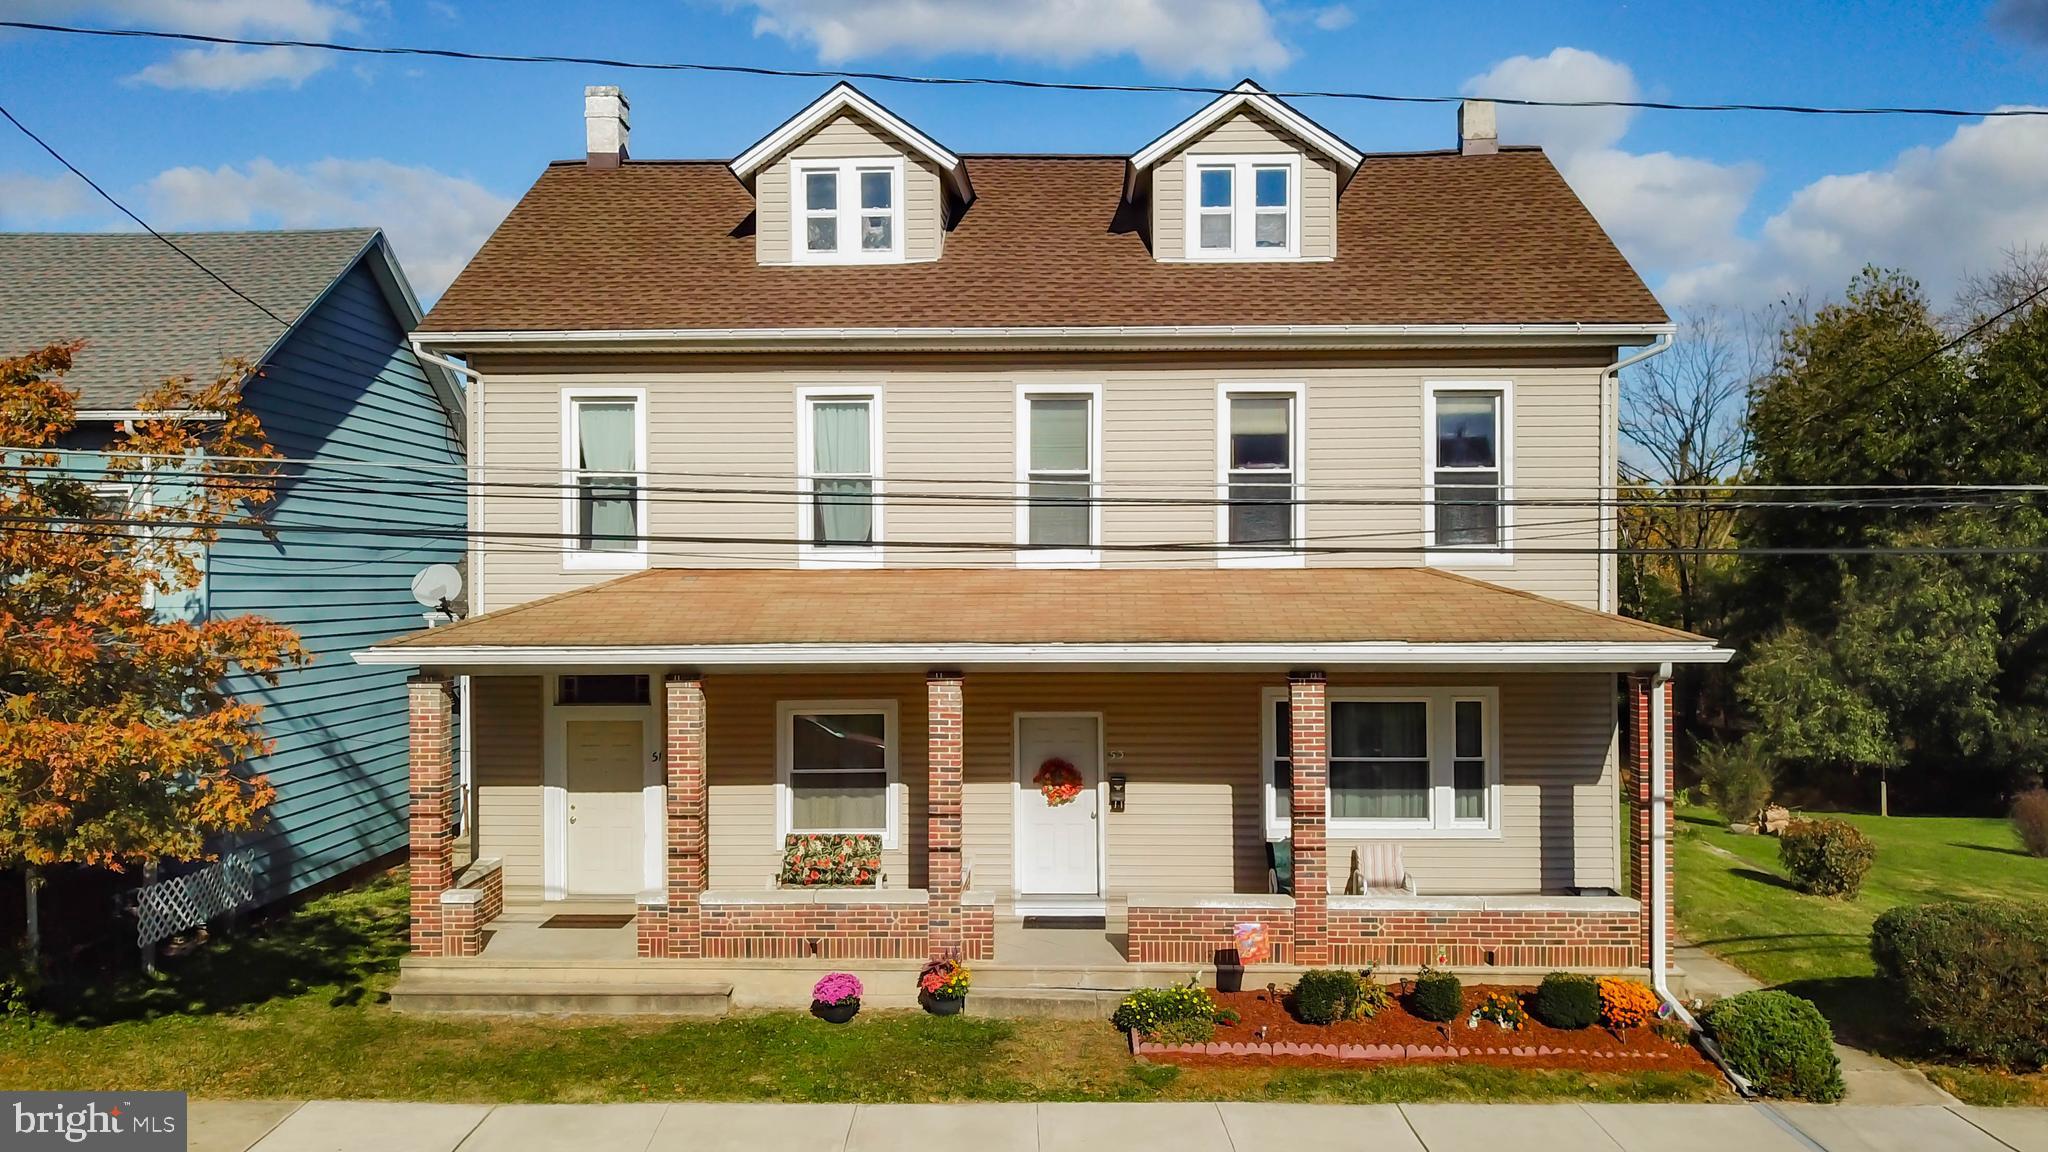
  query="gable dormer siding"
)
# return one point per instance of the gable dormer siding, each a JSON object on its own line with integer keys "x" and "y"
{"x": 847, "y": 136}
{"x": 1245, "y": 134}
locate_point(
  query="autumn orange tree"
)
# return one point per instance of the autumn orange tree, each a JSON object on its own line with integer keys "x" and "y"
{"x": 119, "y": 744}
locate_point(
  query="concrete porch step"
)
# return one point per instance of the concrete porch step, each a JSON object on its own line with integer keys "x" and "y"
{"x": 420, "y": 993}
{"x": 1043, "y": 1003}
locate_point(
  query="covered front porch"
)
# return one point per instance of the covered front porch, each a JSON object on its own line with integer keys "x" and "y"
{"x": 1063, "y": 807}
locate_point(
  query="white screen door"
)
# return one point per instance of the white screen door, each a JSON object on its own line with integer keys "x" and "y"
{"x": 1059, "y": 846}
{"x": 607, "y": 821}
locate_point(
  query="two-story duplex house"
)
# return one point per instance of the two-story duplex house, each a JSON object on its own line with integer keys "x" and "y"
{"x": 1250, "y": 482}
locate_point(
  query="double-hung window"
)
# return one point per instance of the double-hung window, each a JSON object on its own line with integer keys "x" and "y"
{"x": 1059, "y": 474}
{"x": 1468, "y": 457}
{"x": 837, "y": 768}
{"x": 1258, "y": 485}
{"x": 841, "y": 447}
{"x": 1243, "y": 207}
{"x": 604, "y": 475}
{"x": 847, "y": 211}
{"x": 1402, "y": 762}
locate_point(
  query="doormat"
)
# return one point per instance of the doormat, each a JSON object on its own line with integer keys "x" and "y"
{"x": 1085, "y": 923}
{"x": 588, "y": 920}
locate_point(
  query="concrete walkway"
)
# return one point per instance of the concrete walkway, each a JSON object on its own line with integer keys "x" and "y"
{"x": 324, "y": 1126}
{"x": 1870, "y": 1078}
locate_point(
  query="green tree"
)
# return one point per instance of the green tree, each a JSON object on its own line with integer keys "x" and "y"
{"x": 1874, "y": 658}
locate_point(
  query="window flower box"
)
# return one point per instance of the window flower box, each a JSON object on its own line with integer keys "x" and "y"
{"x": 831, "y": 861}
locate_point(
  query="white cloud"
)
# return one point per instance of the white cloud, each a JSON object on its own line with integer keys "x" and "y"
{"x": 220, "y": 67}
{"x": 1213, "y": 37}
{"x": 1333, "y": 18}
{"x": 435, "y": 221}
{"x": 26, "y": 201}
{"x": 1666, "y": 211}
{"x": 1939, "y": 213}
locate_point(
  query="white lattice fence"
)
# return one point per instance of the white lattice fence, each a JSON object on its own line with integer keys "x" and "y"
{"x": 171, "y": 906}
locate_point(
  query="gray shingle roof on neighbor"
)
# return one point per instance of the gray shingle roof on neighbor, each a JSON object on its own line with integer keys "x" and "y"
{"x": 146, "y": 314}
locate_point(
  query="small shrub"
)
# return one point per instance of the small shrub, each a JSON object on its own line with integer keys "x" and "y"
{"x": 1372, "y": 997}
{"x": 1737, "y": 780}
{"x": 1568, "y": 1000}
{"x": 1146, "y": 1009}
{"x": 1228, "y": 1017}
{"x": 2030, "y": 821}
{"x": 1626, "y": 1003}
{"x": 1779, "y": 1043}
{"x": 1194, "y": 1030}
{"x": 1437, "y": 996}
{"x": 1975, "y": 973}
{"x": 1325, "y": 995}
{"x": 1826, "y": 857}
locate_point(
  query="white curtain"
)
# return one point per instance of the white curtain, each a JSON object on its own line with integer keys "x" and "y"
{"x": 610, "y": 491}
{"x": 843, "y": 472}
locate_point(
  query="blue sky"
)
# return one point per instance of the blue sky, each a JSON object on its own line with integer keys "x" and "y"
{"x": 1713, "y": 208}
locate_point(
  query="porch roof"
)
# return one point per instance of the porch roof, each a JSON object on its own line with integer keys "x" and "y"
{"x": 938, "y": 616}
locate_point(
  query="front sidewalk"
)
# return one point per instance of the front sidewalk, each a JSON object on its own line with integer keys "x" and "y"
{"x": 324, "y": 1126}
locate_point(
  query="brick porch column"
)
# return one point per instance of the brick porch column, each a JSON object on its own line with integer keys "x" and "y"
{"x": 689, "y": 817}
{"x": 431, "y": 825}
{"x": 1308, "y": 710}
{"x": 1643, "y": 840}
{"x": 945, "y": 760}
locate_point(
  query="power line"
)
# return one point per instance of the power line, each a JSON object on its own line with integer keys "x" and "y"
{"x": 140, "y": 222}
{"x": 997, "y": 81}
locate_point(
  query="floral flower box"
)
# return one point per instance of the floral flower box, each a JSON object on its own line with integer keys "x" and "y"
{"x": 819, "y": 861}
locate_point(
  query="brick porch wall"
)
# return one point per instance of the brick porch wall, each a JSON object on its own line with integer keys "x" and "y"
{"x": 788, "y": 926}
{"x": 1165, "y": 932}
{"x": 978, "y": 927}
{"x": 1476, "y": 938}
{"x": 474, "y": 901}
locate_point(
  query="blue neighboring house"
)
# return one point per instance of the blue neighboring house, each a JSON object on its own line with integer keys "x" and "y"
{"x": 341, "y": 392}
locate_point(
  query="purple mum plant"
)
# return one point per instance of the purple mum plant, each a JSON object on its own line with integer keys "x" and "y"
{"x": 836, "y": 988}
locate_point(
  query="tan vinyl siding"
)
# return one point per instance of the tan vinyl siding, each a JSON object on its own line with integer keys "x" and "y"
{"x": 1248, "y": 134}
{"x": 950, "y": 430}
{"x": 506, "y": 773}
{"x": 850, "y": 136}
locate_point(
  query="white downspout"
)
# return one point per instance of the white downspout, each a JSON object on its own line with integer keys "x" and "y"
{"x": 1660, "y": 880}
{"x": 1610, "y": 479}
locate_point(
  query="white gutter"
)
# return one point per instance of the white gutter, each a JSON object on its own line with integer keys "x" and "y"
{"x": 203, "y": 415}
{"x": 840, "y": 338}
{"x": 460, "y": 369}
{"x": 1610, "y": 453}
{"x": 1616, "y": 656}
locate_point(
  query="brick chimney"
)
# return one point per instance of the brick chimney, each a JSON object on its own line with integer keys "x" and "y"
{"x": 1477, "y": 135}
{"x": 605, "y": 126}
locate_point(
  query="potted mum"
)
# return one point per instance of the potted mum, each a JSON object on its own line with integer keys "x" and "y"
{"x": 836, "y": 997}
{"x": 942, "y": 986}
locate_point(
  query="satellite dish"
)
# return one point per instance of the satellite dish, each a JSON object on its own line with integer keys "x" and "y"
{"x": 437, "y": 585}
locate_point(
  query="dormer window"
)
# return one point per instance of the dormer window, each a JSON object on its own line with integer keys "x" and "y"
{"x": 850, "y": 211}
{"x": 1244, "y": 207}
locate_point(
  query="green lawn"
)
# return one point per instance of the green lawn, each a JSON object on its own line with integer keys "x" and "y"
{"x": 294, "y": 1010}
{"x": 1734, "y": 900}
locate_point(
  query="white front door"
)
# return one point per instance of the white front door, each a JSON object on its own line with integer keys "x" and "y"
{"x": 1059, "y": 846}
{"x": 607, "y": 821}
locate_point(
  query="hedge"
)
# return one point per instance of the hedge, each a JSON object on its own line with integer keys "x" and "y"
{"x": 1778, "y": 1042}
{"x": 1975, "y": 973}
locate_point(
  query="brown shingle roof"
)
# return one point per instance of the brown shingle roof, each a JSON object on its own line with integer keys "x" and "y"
{"x": 1435, "y": 238}
{"x": 678, "y": 607}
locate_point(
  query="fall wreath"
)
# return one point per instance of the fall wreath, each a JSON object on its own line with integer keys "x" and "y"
{"x": 1059, "y": 781}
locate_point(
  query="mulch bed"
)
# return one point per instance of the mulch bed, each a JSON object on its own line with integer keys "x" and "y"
{"x": 1268, "y": 1035}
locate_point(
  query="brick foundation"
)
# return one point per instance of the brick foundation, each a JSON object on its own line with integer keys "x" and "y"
{"x": 978, "y": 927}
{"x": 1477, "y": 932}
{"x": 1191, "y": 931}
{"x": 799, "y": 925}
{"x": 650, "y": 927}
{"x": 431, "y": 820}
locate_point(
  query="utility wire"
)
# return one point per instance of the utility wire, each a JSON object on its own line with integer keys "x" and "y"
{"x": 140, "y": 222}
{"x": 997, "y": 81}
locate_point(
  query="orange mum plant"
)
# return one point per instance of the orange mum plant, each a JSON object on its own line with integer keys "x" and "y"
{"x": 1626, "y": 1003}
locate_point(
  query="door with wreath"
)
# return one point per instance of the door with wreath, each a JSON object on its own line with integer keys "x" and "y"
{"x": 1059, "y": 833}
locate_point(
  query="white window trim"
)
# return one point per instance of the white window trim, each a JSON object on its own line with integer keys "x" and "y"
{"x": 809, "y": 553}
{"x": 133, "y": 496}
{"x": 1500, "y": 555}
{"x": 893, "y": 798}
{"x": 1297, "y": 444}
{"x": 1442, "y": 823}
{"x": 555, "y": 782}
{"x": 1243, "y": 190}
{"x": 596, "y": 560}
{"x": 849, "y": 210}
{"x": 1091, "y": 556}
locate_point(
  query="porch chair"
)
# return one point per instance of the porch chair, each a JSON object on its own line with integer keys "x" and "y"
{"x": 1280, "y": 867}
{"x": 1384, "y": 870}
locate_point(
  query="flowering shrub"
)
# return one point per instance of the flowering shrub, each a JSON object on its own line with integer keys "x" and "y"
{"x": 1147, "y": 1010}
{"x": 944, "y": 976}
{"x": 1626, "y": 1003}
{"x": 836, "y": 988}
{"x": 831, "y": 861}
{"x": 1502, "y": 1008}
